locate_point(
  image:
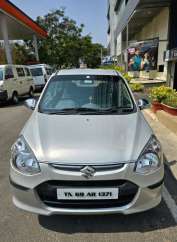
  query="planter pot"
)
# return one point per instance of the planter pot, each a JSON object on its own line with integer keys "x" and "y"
{"x": 156, "y": 106}
{"x": 170, "y": 110}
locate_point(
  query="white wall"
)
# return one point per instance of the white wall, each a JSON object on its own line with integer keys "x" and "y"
{"x": 119, "y": 45}
{"x": 114, "y": 20}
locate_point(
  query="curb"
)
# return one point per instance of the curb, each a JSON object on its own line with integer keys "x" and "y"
{"x": 168, "y": 140}
{"x": 151, "y": 114}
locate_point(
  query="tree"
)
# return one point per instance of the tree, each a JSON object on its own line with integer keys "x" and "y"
{"x": 62, "y": 46}
{"x": 65, "y": 45}
{"x": 21, "y": 54}
{"x": 2, "y": 56}
{"x": 91, "y": 53}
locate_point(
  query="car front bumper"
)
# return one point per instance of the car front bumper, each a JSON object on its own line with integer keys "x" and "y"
{"x": 26, "y": 193}
{"x": 39, "y": 87}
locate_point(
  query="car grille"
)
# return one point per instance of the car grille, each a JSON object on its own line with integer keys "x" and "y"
{"x": 47, "y": 192}
{"x": 97, "y": 168}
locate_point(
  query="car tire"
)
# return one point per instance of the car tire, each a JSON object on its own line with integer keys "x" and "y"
{"x": 15, "y": 98}
{"x": 31, "y": 92}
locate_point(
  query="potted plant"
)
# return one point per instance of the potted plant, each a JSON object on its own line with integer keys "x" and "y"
{"x": 170, "y": 104}
{"x": 158, "y": 95}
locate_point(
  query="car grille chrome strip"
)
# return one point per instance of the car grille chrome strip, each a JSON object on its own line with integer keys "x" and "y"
{"x": 78, "y": 168}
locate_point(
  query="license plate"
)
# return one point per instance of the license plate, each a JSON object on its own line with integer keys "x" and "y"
{"x": 87, "y": 193}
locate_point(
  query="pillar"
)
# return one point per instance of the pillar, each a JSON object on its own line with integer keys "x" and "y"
{"x": 35, "y": 47}
{"x": 127, "y": 45}
{"x": 5, "y": 35}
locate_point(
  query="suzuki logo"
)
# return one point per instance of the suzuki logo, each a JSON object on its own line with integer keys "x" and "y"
{"x": 88, "y": 171}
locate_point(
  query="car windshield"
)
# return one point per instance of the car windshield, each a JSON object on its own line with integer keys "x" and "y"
{"x": 85, "y": 93}
{"x": 1, "y": 74}
{"x": 36, "y": 72}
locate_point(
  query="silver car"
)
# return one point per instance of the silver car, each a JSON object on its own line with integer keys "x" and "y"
{"x": 86, "y": 149}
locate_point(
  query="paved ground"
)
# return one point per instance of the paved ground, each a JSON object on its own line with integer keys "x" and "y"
{"x": 18, "y": 226}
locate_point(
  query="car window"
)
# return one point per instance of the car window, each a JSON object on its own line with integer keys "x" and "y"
{"x": 36, "y": 72}
{"x": 9, "y": 73}
{"x": 1, "y": 74}
{"x": 20, "y": 71}
{"x": 97, "y": 92}
{"x": 27, "y": 71}
{"x": 124, "y": 96}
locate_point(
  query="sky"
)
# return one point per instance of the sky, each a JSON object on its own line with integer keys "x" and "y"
{"x": 92, "y": 13}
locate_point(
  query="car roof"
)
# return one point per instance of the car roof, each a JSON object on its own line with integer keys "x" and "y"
{"x": 11, "y": 65}
{"x": 99, "y": 72}
{"x": 39, "y": 65}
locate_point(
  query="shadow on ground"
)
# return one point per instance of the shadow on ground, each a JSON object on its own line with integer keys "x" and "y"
{"x": 21, "y": 102}
{"x": 155, "y": 219}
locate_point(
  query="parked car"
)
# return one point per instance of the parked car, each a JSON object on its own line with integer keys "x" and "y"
{"x": 15, "y": 81}
{"x": 86, "y": 149}
{"x": 41, "y": 74}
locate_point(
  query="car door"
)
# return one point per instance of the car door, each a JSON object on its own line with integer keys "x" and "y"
{"x": 21, "y": 80}
{"x": 38, "y": 76}
{"x": 29, "y": 79}
{"x": 10, "y": 81}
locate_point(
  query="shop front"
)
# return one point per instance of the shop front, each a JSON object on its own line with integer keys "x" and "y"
{"x": 142, "y": 57}
{"x": 171, "y": 58}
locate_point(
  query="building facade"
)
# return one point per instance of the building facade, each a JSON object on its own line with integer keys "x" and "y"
{"x": 142, "y": 35}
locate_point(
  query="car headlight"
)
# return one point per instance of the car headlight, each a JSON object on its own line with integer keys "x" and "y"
{"x": 23, "y": 158}
{"x": 150, "y": 159}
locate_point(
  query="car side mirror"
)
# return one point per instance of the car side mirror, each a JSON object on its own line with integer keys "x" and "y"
{"x": 143, "y": 103}
{"x": 30, "y": 103}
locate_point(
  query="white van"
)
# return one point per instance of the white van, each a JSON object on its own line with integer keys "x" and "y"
{"x": 40, "y": 73}
{"x": 15, "y": 81}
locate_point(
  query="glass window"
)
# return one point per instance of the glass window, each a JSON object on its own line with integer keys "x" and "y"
{"x": 27, "y": 71}
{"x": 36, "y": 72}
{"x": 9, "y": 73}
{"x": 1, "y": 74}
{"x": 98, "y": 93}
{"x": 20, "y": 71}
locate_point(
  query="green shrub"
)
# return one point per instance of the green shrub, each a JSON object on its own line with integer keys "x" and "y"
{"x": 171, "y": 100}
{"x": 136, "y": 87}
{"x": 159, "y": 94}
{"x": 113, "y": 67}
{"x": 127, "y": 77}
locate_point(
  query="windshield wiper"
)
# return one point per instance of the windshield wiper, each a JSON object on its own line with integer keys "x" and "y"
{"x": 88, "y": 111}
{"x": 102, "y": 111}
{"x": 113, "y": 110}
{"x": 71, "y": 111}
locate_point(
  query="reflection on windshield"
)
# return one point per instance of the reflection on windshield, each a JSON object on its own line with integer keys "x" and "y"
{"x": 1, "y": 74}
{"x": 85, "y": 93}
